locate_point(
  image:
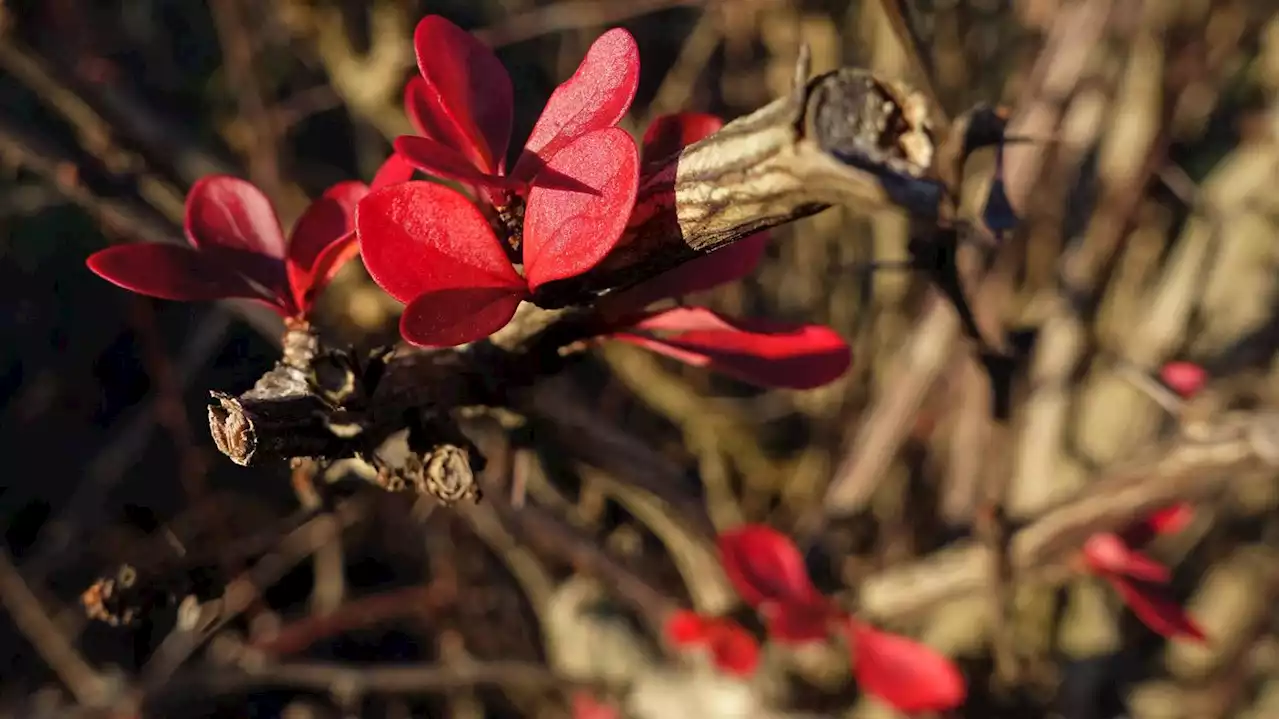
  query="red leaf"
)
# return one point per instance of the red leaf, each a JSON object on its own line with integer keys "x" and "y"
{"x": 445, "y": 318}
{"x": 908, "y": 676}
{"x": 327, "y": 221}
{"x": 437, "y": 159}
{"x": 585, "y": 706}
{"x": 721, "y": 267}
{"x": 668, "y": 134}
{"x": 1107, "y": 553}
{"x": 685, "y": 628}
{"x": 419, "y": 237}
{"x": 395, "y": 170}
{"x": 172, "y": 272}
{"x": 764, "y": 565}
{"x": 1155, "y": 609}
{"x": 733, "y": 650}
{"x": 800, "y": 623}
{"x": 1169, "y": 520}
{"x": 230, "y": 213}
{"x": 467, "y": 85}
{"x": 1185, "y": 378}
{"x": 757, "y": 351}
{"x": 567, "y": 233}
{"x": 596, "y": 97}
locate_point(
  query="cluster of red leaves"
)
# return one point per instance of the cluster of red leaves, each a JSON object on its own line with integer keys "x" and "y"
{"x": 768, "y": 572}
{"x": 1142, "y": 582}
{"x": 238, "y": 249}
{"x": 574, "y": 187}
{"x": 436, "y": 250}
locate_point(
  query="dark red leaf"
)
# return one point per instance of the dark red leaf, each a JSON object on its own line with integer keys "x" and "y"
{"x": 1185, "y": 378}
{"x": 800, "y": 623}
{"x": 721, "y": 267}
{"x": 567, "y": 233}
{"x": 331, "y": 259}
{"x": 467, "y": 84}
{"x": 668, "y": 134}
{"x": 444, "y": 318}
{"x": 1106, "y": 552}
{"x": 437, "y": 159}
{"x": 764, "y": 565}
{"x": 172, "y": 272}
{"x": 1154, "y": 608}
{"x": 761, "y": 352}
{"x": 392, "y": 172}
{"x": 596, "y": 97}
{"x": 1169, "y": 520}
{"x": 908, "y": 676}
{"x": 327, "y": 221}
{"x": 419, "y": 237}
{"x": 230, "y": 213}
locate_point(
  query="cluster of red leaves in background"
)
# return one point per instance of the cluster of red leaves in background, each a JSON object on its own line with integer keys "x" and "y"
{"x": 1142, "y": 582}
{"x": 767, "y": 570}
{"x": 238, "y": 249}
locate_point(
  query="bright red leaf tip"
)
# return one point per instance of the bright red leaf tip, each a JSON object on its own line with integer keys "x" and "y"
{"x": 908, "y": 676}
{"x": 1170, "y": 520}
{"x": 395, "y": 170}
{"x": 761, "y": 352}
{"x": 597, "y": 95}
{"x": 668, "y": 134}
{"x": 228, "y": 213}
{"x": 733, "y": 650}
{"x": 764, "y": 565}
{"x": 1108, "y": 553}
{"x": 171, "y": 272}
{"x": 322, "y": 240}
{"x": 1152, "y": 605}
{"x": 567, "y": 233}
{"x": 466, "y": 96}
{"x": 1185, "y": 378}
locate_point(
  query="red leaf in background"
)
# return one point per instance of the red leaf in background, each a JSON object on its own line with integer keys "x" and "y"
{"x": 685, "y": 628}
{"x": 733, "y": 649}
{"x": 1169, "y": 520}
{"x": 585, "y": 706}
{"x": 395, "y": 170}
{"x": 419, "y": 237}
{"x": 1185, "y": 378}
{"x": 1107, "y": 553}
{"x": 229, "y": 213}
{"x": 1154, "y": 608}
{"x": 907, "y": 675}
{"x": 172, "y": 272}
{"x": 720, "y": 267}
{"x": 449, "y": 317}
{"x": 668, "y": 134}
{"x": 597, "y": 95}
{"x": 762, "y": 352}
{"x": 328, "y": 221}
{"x": 435, "y": 158}
{"x": 567, "y": 233}
{"x": 467, "y": 91}
{"x": 764, "y": 565}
